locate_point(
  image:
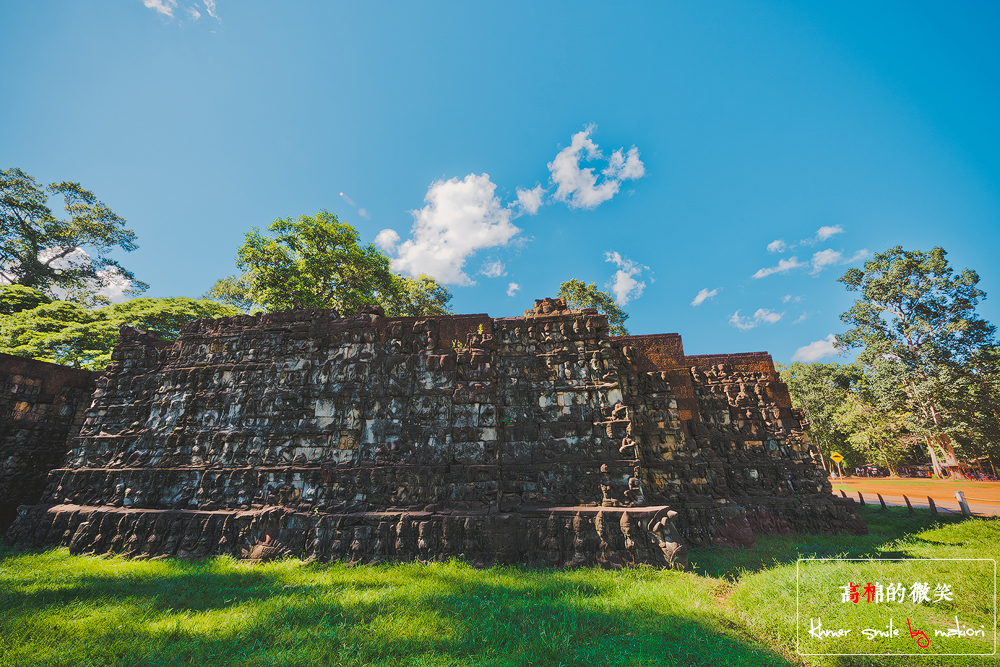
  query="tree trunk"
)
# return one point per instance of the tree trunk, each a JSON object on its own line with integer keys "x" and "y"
{"x": 934, "y": 462}
{"x": 944, "y": 442}
{"x": 819, "y": 450}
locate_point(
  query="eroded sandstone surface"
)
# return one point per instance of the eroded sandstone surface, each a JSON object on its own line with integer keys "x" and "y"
{"x": 535, "y": 439}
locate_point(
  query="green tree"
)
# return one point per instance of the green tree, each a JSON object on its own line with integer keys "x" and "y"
{"x": 413, "y": 297}
{"x": 15, "y": 298}
{"x": 234, "y": 290}
{"x": 977, "y": 400}
{"x": 876, "y": 419}
{"x": 822, "y": 391}
{"x": 316, "y": 262}
{"x": 916, "y": 314}
{"x": 53, "y": 255}
{"x": 578, "y": 294}
{"x": 69, "y": 334}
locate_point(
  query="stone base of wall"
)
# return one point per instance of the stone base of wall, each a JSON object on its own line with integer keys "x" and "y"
{"x": 535, "y": 439}
{"x": 41, "y": 406}
{"x": 611, "y": 537}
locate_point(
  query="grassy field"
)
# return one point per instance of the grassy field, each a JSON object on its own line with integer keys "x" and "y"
{"x": 737, "y": 607}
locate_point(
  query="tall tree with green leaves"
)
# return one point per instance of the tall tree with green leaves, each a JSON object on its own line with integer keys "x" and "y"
{"x": 234, "y": 290}
{"x": 418, "y": 296}
{"x": 876, "y": 417}
{"x": 916, "y": 314}
{"x": 578, "y": 294}
{"x": 68, "y": 255}
{"x": 316, "y": 262}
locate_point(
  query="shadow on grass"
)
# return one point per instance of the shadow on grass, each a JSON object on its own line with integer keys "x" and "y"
{"x": 885, "y": 529}
{"x": 59, "y": 609}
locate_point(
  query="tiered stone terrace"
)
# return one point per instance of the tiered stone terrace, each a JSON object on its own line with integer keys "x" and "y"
{"x": 535, "y": 439}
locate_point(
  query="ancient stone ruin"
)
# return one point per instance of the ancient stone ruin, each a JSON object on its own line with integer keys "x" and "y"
{"x": 535, "y": 439}
{"x": 40, "y": 404}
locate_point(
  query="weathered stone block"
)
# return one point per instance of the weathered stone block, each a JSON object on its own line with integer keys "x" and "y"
{"x": 536, "y": 439}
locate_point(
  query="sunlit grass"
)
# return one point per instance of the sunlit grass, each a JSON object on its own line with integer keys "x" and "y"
{"x": 57, "y": 609}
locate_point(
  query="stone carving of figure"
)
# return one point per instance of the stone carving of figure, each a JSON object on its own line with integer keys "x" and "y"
{"x": 116, "y": 500}
{"x": 674, "y": 551}
{"x": 628, "y": 530}
{"x": 627, "y": 445}
{"x": 425, "y": 540}
{"x": 608, "y": 499}
{"x": 634, "y": 492}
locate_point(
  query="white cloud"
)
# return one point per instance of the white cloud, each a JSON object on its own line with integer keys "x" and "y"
{"x": 577, "y": 186}
{"x": 824, "y": 259}
{"x": 210, "y": 8}
{"x": 761, "y": 316}
{"x": 530, "y": 200}
{"x": 777, "y": 246}
{"x": 765, "y": 315}
{"x": 816, "y": 350}
{"x": 858, "y": 256}
{"x": 165, "y": 7}
{"x": 460, "y": 218}
{"x": 512, "y": 289}
{"x": 823, "y": 233}
{"x": 783, "y": 266}
{"x": 705, "y": 294}
{"x": 789, "y": 297}
{"x": 115, "y": 285}
{"x": 110, "y": 283}
{"x": 802, "y": 318}
{"x": 625, "y": 284}
{"x": 194, "y": 13}
{"x": 741, "y": 322}
{"x": 387, "y": 239}
{"x": 493, "y": 269}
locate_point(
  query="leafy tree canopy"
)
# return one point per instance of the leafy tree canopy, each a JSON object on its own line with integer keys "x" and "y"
{"x": 413, "y": 297}
{"x": 234, "y": 290}
{"x": 916, "y": 324}
{"x": 67, "y": 333}
{"x": 912, "y": 307}
{"x": 821, "y": 390}
{"x": 316, "y": 262}
{"x": 60, "y": 256}
{"x": 578, "y": 294}
{"x": 15, "y": 298}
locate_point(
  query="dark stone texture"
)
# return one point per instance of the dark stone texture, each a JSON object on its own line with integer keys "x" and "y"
{"x": 41, "y": 405}
{"x": 534, "y": 439}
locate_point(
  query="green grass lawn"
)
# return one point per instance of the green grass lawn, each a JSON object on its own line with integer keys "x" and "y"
{"x": 733, "y": 609}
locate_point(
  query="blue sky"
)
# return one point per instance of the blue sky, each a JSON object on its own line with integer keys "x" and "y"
{"x": 458, "y": 134}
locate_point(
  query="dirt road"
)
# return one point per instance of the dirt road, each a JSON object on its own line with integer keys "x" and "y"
{"x": 983, "y": 497}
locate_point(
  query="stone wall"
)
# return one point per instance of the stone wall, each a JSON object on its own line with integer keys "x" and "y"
{"x": 744, "y": 444}
{"x": 41, "y": 405}
{"x": 531, "y": 439}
